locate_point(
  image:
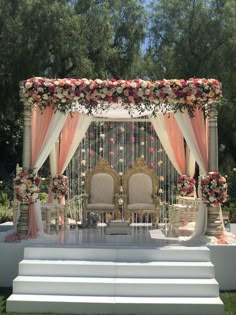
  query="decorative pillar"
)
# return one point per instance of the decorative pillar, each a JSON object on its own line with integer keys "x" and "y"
{"x": 23, "y": 221}
{"x": 214, "y": 222}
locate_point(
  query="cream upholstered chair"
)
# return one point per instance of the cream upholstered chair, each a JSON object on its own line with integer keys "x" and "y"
{"x": 141, "y": 186}
{"x": 101, "y": 185}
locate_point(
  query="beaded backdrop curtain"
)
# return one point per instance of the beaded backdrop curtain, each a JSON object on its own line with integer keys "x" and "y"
{"x": 121, "y": 143}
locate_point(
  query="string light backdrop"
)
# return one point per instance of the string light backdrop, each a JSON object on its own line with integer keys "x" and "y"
{"x": 121, "y": 143}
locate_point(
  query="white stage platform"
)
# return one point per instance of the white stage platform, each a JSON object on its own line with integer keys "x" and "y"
{"x": 222, "y": 256}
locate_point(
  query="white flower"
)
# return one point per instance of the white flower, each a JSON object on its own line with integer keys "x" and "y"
{"x": 119, "y": 90}
{"x": 35, "y": 196}
{"x": 98, "y": 81}
{"x": 133, "y": 85}
{"x": 28, "y": 85}
{"x": 140, "y": 92}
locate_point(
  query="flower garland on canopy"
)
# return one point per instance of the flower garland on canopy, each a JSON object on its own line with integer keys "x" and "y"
{"x": 97, "y": 95}
{"x": 60, "y": 186}
{"x": 27, "y": 186}
{"x": 214, "y": 189}
{"x": 185, "y": 186}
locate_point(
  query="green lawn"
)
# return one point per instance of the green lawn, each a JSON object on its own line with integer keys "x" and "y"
{"x": 229, "y": 299}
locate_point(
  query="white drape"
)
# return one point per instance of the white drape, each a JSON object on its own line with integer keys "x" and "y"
{"x": 185, "y": 125}
{"x": 160, "y": 128}
{"x": 81, "y": 128}
{"x": 190, "y": 162}
{"x": 52, "y": 134}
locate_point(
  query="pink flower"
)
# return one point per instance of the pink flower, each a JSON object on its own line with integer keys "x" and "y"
{"x": 151, "y": 150}
{"x": 152, "y": 165}
{"x": 151, "y": 138}
{"x": 132, "y": 139}
{"x": 91, "y": 153}
{"x": 111, "y": 153}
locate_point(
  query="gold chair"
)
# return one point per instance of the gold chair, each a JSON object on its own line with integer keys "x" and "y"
{"x": 102, "y": 184}
{"x": 141, "y": 186}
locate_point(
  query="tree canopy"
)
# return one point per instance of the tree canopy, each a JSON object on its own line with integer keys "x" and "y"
{"x": 161, "y": 39}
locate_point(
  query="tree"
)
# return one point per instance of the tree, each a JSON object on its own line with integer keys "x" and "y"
{"x": 197, "y": 38}
{"x": 61, "y": 38}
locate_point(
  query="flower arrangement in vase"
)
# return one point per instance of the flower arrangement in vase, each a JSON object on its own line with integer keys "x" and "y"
{"x": 186, "y": 186}
{"x": 214, "y": 189}
{"x": 60, "y": 186}
{"x": 27, "y": 186}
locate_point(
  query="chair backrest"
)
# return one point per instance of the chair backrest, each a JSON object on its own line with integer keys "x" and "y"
{"x": 102, "y": 183}
{"x": 140, "y": 183}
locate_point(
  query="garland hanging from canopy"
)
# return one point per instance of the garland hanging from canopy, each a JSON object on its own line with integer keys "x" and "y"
{"x": 93, "y": 96}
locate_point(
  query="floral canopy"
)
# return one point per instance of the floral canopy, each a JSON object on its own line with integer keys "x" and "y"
{"x": 135, "y": 97}
{"x": 52, "y": 100}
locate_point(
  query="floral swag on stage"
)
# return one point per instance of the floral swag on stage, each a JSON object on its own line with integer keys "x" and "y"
{"x": 214, "y": 189}
{"x": 27, "y": 186}
{"x": 60, "y": 187}
{"x": 186, "y": 186}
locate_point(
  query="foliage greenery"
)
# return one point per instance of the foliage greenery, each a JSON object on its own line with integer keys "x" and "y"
{"x": 115, "y": 39}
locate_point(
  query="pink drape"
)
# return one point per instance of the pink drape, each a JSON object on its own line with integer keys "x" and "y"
{"x": 66, "y": 139}
{"x": 199, "y": 129}
{"x": 176, "y": 141}
{"x": 40, "y": 124}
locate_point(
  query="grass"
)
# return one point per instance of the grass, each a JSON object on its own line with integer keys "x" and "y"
{"x": 229, "y": 299}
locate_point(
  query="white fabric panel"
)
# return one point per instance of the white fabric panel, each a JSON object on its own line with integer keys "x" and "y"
{"x": 190, "y": 163}
{"x": 201, "y": 222}
{"x": 116, "y": 111}
{"x": 53, "y": 159}
{"x": 53, "y": 132}
{"x": 140, "y": 189}
{"x": 185, "y": 126}
{"x": 160, "y": 128}
{"x": 38, "y": 217}
{"x": 81, "y": 128}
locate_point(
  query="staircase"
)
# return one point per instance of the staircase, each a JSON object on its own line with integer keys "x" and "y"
{"x": 121, "y": 280}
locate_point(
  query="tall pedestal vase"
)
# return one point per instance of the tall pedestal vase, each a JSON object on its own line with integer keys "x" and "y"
{"x": 215, "y": 225}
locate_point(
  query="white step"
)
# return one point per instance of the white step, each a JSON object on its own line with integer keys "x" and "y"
{"x": 121, "y": 253}
{"x": 80, "y": 268}
{"x": 97, "y": 305}
{"x": 116, "y": 286}
{"x": 116, "y": 280}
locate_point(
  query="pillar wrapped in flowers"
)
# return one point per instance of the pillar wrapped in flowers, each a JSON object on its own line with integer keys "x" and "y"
{"x": 27, "y": 192}
{"x": 214, "y": 193}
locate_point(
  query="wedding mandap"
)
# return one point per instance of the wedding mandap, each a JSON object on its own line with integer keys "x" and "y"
{"x": 182, "y": 114}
